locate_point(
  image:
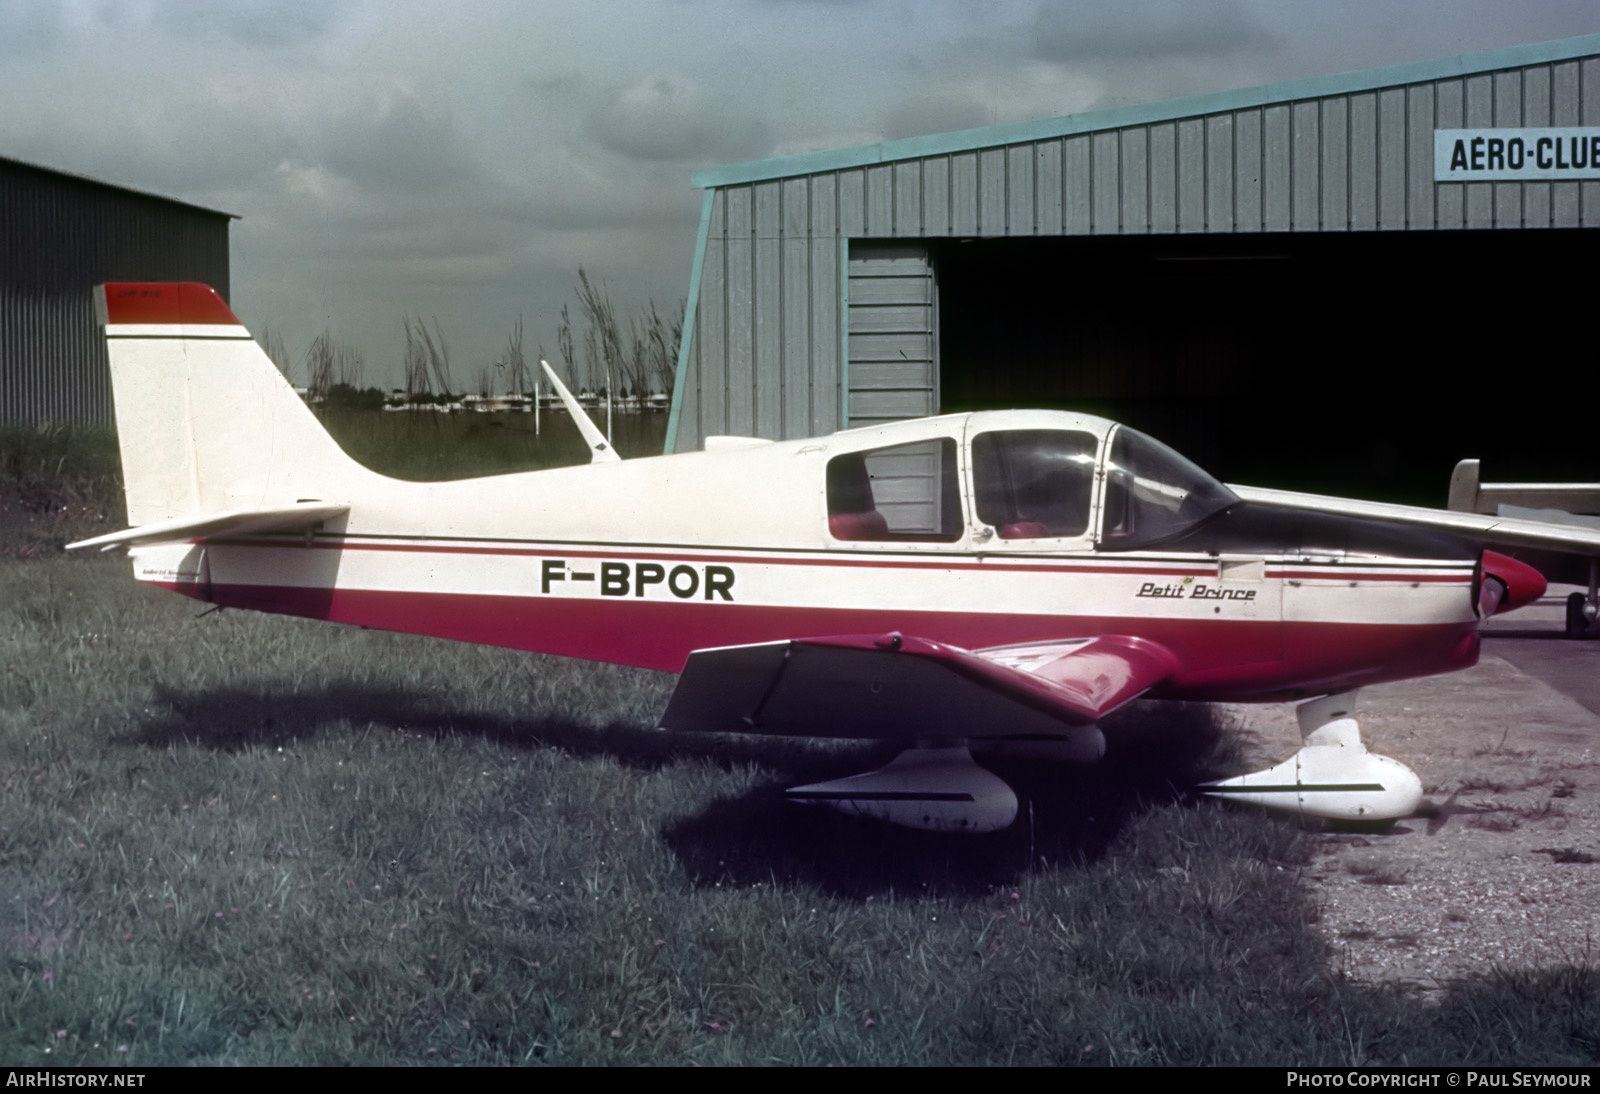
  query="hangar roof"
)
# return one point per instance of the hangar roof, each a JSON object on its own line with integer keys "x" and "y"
{"x": 967, "y": 140}
{"x": 11, "y": 161}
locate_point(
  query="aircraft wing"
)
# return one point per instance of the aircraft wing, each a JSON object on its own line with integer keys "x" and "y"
{"x": 232, "y": 522}
{"x": 899, "y": 686}
{"x": 1501, "y": 531}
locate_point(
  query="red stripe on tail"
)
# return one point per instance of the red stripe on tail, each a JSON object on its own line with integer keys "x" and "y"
{"x": 152, "y": 302}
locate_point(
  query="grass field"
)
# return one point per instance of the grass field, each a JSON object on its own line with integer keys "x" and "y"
{"x": 59, "y": 484}
{"x": 242, "y": 839}
{"x": 430, "y": 447}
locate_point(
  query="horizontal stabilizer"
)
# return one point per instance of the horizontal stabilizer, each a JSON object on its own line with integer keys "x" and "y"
{"x": 898, "y": 686}
{"x": 236, "y": 522}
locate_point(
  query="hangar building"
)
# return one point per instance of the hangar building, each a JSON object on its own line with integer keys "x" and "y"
{"x": 1342, "y": 284}
{"x": 61, "y": 234}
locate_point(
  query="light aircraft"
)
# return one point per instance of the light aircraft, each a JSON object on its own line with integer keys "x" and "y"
{"x": 994, "y": 581}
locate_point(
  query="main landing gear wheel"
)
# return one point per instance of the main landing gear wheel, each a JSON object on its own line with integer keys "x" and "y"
{"x": 1578, "y": 616}
{"x": 1582, "y": 609}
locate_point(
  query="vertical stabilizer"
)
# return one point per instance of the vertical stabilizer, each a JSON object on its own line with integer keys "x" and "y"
{"x": 205, "y": 420}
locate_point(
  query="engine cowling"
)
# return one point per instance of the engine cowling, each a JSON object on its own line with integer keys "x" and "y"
{"x": 1507, "y": 584}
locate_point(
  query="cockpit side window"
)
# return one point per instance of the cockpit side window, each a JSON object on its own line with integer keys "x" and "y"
{"x": 1152, "y": 493}
{"x": 1034, "y": 483}
{"x": 906, "y": 492}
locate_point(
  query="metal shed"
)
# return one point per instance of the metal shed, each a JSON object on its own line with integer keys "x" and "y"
{"x": 60, "y": 234}
{"x": 1238, "y": 273}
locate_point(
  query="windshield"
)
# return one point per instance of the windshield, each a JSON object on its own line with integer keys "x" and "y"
{"x": 1153, "y": 494}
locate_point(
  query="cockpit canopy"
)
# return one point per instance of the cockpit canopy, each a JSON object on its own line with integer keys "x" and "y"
{"x": 1111, "y": 485}
{"x": 1152, "y": 493}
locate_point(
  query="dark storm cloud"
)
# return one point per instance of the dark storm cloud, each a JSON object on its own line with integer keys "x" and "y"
{"x": 934, "y": 114}
{"x": 391, "y": 178}
{"x": 671, "y": 119}
{"x": 180, "y": 146}
{"x": 249, "y": 22}
{"x": 1088, "y": 32}
{"x": 399, "y": 140}
{"x": 388, "y": 155}
{"x": 610, "y": 205}
{"x": 28, "y": 27}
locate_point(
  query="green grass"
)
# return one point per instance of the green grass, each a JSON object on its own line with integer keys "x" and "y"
{"x": 62, "y": 483}
{"x": 257, "y": 840}
{"x": 57, "y": 484}
{"x": 242, "y": 839}
{"x": 430, "y": 447}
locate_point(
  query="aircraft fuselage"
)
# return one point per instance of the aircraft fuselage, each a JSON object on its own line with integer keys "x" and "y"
{"x": 644, "y": 561}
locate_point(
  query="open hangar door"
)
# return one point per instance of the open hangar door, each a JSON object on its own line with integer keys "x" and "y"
{"x": 1359, "y": 364}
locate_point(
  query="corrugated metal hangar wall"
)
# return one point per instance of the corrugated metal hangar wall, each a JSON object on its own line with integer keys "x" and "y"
{"x": 1286, "y": 283}
{"x": 59, "y": 236}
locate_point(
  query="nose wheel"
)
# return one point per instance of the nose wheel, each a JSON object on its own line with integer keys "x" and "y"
{"x": 1333, "y": 776}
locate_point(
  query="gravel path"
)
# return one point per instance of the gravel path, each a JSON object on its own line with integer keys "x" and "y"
{"x": 1503, "y": 868}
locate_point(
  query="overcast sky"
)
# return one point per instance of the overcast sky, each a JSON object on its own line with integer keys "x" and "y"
{"x": 460, "y": 161}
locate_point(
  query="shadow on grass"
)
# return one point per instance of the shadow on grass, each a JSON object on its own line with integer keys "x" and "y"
{"x": 1156, "y": 754}
{"x": 1067, "y": 815}
{"x": 236, "y": 719}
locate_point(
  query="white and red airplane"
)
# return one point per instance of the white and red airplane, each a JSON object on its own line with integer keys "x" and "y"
{"x": 997, "y": 580}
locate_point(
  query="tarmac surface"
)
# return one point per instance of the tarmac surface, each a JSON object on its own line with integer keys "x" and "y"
{"x": 1500, "y": 868}
{"x": 1534, "y": 640}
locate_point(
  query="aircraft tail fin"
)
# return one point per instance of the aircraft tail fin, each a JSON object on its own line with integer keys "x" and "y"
{"x": 206, "y": 422}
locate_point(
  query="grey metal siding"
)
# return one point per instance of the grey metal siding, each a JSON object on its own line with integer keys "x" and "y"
{"x": 1358, "y": 161}
{"x": 59, "y": 236}
{"x": 764, "y": 357}
{"x": 1350, "y": 158}
{"x": 893, "y": 364}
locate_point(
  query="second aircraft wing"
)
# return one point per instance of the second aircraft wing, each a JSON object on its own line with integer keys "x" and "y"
{"x": 1501, "y": 531}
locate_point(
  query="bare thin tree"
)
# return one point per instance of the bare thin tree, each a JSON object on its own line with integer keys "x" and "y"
{"x": 516, "y": 366}
{"x": 427, "y": 359}
{"x": 320, "y": 368}
{"x": 602, "y": 334}
{"x": 665, "y": 339}
{"x": 419, "y": 382}
{"x": 564, "y": 342}
{"x": 348, "y": 365}
{"x": 637, "y": 360}
{"x": 272, "y": 345}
